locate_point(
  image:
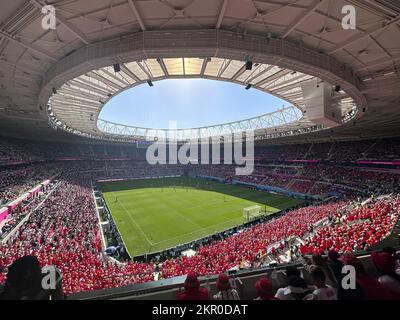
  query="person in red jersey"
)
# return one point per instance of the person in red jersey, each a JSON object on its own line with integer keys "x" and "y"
{"x": 264, "y": 289}
{"x": 385, "y": 264}
{"x": 367, "y": 286}
{"x": 225, "y": 290}
{"x": 192, "y": 289}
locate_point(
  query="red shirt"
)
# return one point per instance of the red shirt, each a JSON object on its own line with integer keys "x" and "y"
{"x": 197, "y": 294}
{"x": 372, "y": 289}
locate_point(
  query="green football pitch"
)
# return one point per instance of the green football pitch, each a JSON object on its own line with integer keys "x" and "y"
{"x": 156, "y": 214}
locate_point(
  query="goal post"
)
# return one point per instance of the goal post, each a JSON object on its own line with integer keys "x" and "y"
{"x": 250, "y": 213}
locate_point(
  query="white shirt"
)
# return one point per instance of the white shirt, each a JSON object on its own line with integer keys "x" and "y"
{"x": 285, "y": 293}
{"x": 282, "y": 296}
{"x": 326, "y": 293}
{"x": 230, "y": 294}
{"x": 390, "y": 283}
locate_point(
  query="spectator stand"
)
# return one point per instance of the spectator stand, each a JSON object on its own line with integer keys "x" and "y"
{"x": 14, "y": 232}
{"x": 278, "y": 190}
{"x": 360, "y": 226}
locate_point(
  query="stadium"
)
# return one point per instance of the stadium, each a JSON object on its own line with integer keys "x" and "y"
{"x": 276, "y": 201}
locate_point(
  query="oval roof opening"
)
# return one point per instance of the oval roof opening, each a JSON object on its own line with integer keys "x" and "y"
{"x": 191, "y": 103}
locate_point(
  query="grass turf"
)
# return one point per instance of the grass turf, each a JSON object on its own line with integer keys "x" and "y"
{"x": 157, "y": 214}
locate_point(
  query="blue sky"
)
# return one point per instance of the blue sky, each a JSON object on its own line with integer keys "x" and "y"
{"x": 190, "y": 102}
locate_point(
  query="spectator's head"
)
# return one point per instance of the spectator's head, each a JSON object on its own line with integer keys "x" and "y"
{"x": 24, "y": 277}
{"x": 317, "y": 277}
{"x": 389, "y": 250}
{"x": 264, "y": 289}
{"x": 384, "y": 262}
{"x": 223, "y": 282}
{"x": 191, "y": 282}
{"x": 292, "y": 271}
{"x": 318, "y": 260}
{"x": 350, "y": 259}
{"x": 297, "y": 288}
{"x": 333, "y": 255}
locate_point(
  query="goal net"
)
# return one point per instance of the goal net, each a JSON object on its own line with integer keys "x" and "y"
{"x": 251, "y": 213}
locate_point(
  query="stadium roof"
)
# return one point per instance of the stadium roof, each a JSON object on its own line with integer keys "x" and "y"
{"x": 87, "y": 94}
{"x": 153, "y": 39}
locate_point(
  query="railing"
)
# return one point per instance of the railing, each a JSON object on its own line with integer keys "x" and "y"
{"x": 271, "y": 120}
{"x": 166, "y": 289}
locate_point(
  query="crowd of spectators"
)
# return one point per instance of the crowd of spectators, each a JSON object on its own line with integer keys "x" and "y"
{"x": 248, "y": 246}
{"x": 17, "y": 215}
{"x": 357, "y": 229}
{"x": 319, "y": 278}
{"x": 26, "y": 151}
{"x": 16, "y": 180}
{"x": 301, "y": 186}
{"x": 343, "y": 151}
{"x": 65, "y": 231}
{"x": 316, "y": 180}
